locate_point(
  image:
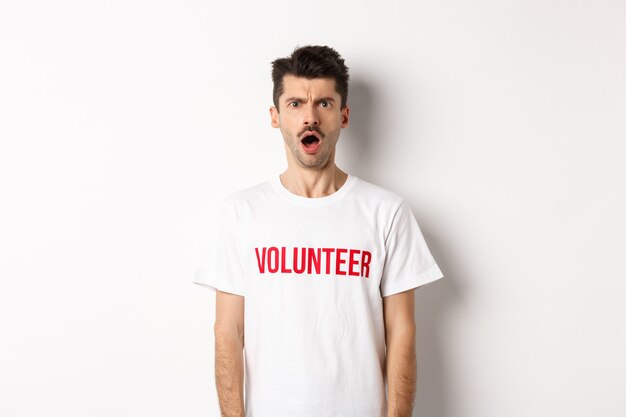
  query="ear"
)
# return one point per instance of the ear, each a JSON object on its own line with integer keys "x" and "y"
{"x": 275, "y": 116}
{"x": 345, "y": 116}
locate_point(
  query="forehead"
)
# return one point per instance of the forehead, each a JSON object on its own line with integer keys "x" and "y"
{"x": 294, "y": 86}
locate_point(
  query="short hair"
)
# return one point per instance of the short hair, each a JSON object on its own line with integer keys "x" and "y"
{"x": 312, "y": 61}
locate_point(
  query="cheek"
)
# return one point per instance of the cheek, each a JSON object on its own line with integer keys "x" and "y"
{"x": 336, "y": 118}
{"x": 289, "y": 121}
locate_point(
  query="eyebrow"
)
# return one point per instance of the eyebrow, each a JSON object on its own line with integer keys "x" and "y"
{"x": 300, "y": 99}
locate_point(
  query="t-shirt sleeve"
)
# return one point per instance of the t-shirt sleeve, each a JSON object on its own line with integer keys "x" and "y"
{"x": 408, "y": 261}
{"x": 220, "y": 266}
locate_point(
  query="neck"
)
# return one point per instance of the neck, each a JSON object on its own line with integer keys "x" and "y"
{"x": 314, "y": 183}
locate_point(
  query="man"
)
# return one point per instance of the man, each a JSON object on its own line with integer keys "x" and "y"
{"x": 315, "y": 270}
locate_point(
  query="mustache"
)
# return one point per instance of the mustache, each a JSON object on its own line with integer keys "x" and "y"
{"x": 311, "y": 129}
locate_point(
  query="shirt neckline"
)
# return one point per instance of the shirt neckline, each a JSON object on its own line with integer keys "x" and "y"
{"x": 313, "y": 201}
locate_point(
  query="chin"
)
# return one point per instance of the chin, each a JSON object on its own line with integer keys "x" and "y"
{"x": 319, "y": 161}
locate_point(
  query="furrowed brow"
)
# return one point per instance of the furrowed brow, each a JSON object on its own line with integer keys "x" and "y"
{"x": 298, "y": 99}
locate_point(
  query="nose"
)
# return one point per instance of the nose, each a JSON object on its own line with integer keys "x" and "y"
{"x": 310, "y": 116}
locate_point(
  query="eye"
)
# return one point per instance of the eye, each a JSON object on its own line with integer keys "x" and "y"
{"x": 324, "y": 103}
{"x": 294, "y": 104}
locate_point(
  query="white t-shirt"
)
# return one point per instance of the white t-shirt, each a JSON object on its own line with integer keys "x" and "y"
{"x": 313, "y": 272}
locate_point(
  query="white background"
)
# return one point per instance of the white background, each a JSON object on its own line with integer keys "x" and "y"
{"x": 123, "y": 122}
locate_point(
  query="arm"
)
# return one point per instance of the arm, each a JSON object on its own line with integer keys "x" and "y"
{"x": 401, "y": 364}
{"x": 229, "y": 343}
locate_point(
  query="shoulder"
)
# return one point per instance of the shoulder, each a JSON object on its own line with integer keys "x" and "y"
{"x": 247, "y": 196}
{"x": 377, "y": 195}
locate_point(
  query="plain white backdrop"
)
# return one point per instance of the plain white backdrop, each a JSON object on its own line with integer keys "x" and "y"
{"x": 123, "y": 122}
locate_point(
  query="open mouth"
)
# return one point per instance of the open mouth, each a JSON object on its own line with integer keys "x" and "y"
{"x": 309, "y": 140}
{"x": 310, "y": 143}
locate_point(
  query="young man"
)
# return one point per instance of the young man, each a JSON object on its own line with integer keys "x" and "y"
{"x": 314, "y": 270}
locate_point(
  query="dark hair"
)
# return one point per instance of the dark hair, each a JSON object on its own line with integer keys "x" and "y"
{"x": 312, "y": 62}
